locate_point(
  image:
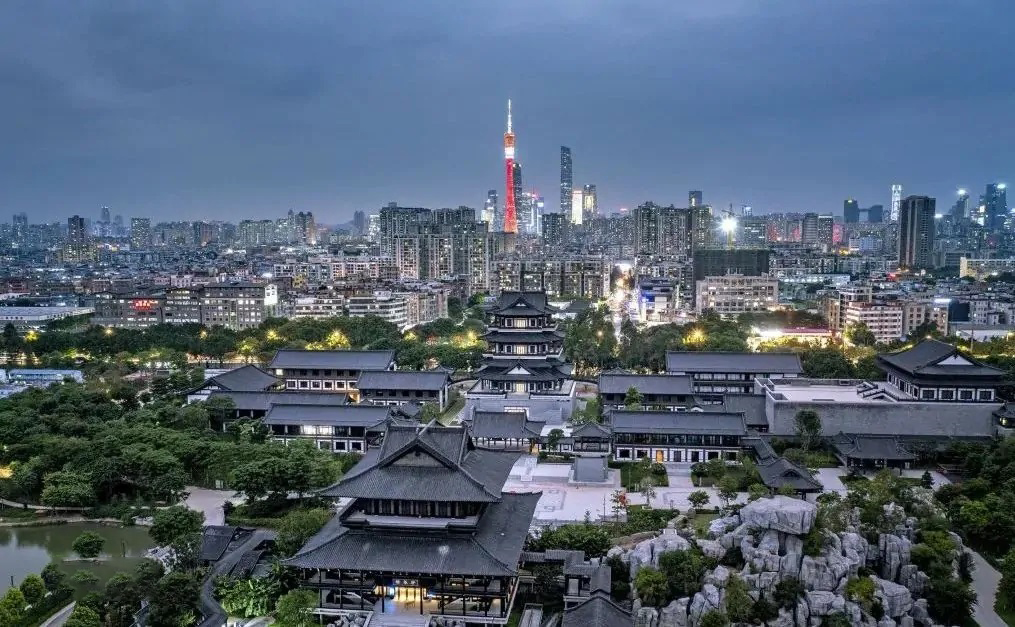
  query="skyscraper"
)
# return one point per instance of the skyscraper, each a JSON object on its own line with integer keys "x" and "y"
{"x": 20, "y": 227}
{"x": 359, "y": 223}
{"x": 893, "y": 216}
{"x": 850, "y": 211}
{"x": 489, "y": 214}
{"x": 702, "y": 224}
{"x": 826, "y": 230}
{"x": 996, "y": 202}
{"x": 566, "y": 185}
{"x": 960, "y": 210}
{"x": 694, "y": 198}
{"x": 510, "y": 217}
{"x": 105, "y": 214}
{"x": 77, "y": 239}
{"x": 516, "y": 180}
{"x": 916, "y": 232}
{"x": 809, "y": 228}
{"x": 554, "y": 229}
{"x": 577, "y": 206}
{"x": 590, "y": 206}
{"x": 140, "y": 233}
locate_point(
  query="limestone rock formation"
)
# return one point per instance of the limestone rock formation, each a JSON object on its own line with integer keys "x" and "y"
{"x": 780, "y": 513}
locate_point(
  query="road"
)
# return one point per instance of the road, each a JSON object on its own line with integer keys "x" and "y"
{"x": 985, "y": 580}
{"x": 58, "y": 619}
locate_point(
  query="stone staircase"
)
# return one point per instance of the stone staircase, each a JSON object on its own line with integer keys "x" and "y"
{"x": 399, "y": 620}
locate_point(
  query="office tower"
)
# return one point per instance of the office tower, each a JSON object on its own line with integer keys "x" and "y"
{"x": 702, "y": 224}
{"x": 510, "y": 215}
{"x": 565, "y": 180}
{"x": 590, "y": 207}
{"x": 995, "y": 201}
{"x": 850, "y": 211}
{"x": 577, "y": 206}
{"x": 20, "y": 231}
{"x": 537, "y": 214}
{"x": 489, "y": 214}
{"x": 826, "y": 230}
{"x": 105, "y": 215}
{"x": 359, "y": 223}
{"x": 809, "y": 228}
{"x": 916, "y": 232}
{"x": 140, "y": 233}
{"x": 960, "y": 210}
{"x": 305, "y": 228}
{"x": 896, "y": 200}
{"x": 746, "y": 211}
{"x": 753, "y": 232}
{"x": 694, "y": 198}
{"x": 554, "y": 229}
{"x": 875, "y": 213}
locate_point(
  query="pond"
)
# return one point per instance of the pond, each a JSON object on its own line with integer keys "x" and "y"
{"x": 26, "y": 550}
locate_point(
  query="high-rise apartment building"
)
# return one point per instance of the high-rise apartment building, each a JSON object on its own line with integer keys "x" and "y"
{"x": 694, "y": 198}
{"x": 753, "y": 232}
{"x": 77, "y": 248}
{"x": 140, "y": 233}
{"x": 20, "y": 231}
{"x": 960, "y": 210}
{"x": 359, "y": 223}
{"x": 490, "y": 208}
{"x": 590, "y": 202}
{"x": 809, "y": 229}
{"x": 896, "y": 202}
{"x": 916, "y": 232}
{"x": 850, "y": 211}
{"x": 566, "y": 181}
{"x": 702, "y": 224}
{"x": 995, "y": 201}
{"x": 577, "y": 206}
{"x": 554, "y": 229}
{"x": 826, "y": 231}
{"x": 661, "y": 230}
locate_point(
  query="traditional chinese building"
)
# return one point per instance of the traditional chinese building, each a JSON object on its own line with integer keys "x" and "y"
{"x": 427, "y": 531}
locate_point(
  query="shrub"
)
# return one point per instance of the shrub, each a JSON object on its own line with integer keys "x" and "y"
{"x": 739, "y": 603}
{"x": 175, "y": 522}
{"x": 837, "y": 619}
{"x": 297, "y": 527}
{"x": 860, "y": 590}
{"x": 620, "y": 586}
{"x": 89, "y": 544}
{"x": 658, "y": 470}
{"x": 714, "y": 618}
{"x": 814, "y": 541}
{"x": 950, "y": 601}
{"x": 592, "y": 539}
{"x": 764, "y": 611}
{"x": 85, "y": 577}
{"x": 652, "y": 586}
{"x": 684, "y": 570}
{"x": 34, "y": 588}
{"x": 733, "y": 558}
{"x": 83, "y": 616}
{"x": 787, "y": 592}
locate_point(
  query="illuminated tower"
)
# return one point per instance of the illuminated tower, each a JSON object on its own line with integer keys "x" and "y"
{"x": 510, "y": 217}
{"x": 896, "y": 201}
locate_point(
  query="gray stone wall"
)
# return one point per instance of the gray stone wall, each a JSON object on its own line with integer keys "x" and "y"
{"x": 910, "y": 419}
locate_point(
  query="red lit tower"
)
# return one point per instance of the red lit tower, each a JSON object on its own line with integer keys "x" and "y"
{"x": 510, "y": 217}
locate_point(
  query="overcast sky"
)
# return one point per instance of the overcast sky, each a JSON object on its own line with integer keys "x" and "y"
{"x": 238, "y": 109}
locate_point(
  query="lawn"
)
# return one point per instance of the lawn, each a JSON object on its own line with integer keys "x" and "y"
{"x": 631, "y": 474}
{"x": 701, "y": 522}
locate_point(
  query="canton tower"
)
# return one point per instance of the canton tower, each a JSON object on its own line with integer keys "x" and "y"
{"x": 510, "y": 217}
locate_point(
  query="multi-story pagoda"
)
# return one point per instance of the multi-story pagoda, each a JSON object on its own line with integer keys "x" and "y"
{"x": 525, "y": 351}
{"x": 427, "y": 532}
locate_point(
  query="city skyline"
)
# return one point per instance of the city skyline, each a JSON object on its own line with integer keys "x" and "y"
{"x": 189, "y": 112}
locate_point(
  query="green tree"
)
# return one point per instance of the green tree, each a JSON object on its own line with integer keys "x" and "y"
{"x": 1006, "y": 588}
{"x": 950, "y": 601}
{"x": 593, "y": 539}
{"x": 12, "y": 606}
{"x": 647, "y": 487}
{"x": 297, "y": 527}
{"x": 33, "y": 588}
{"x": 83, "y": 616}
{"x": 66, "y": 489}
{"x": 122, "y": 598}
{"x": 787, "y": 592}
{"x": 652, "y": 587}
{"x": 174, "y": 601}
{"x": 714, "y": 618}
{"x": 728, "y": 487}
{"x": 698, "y": 499}
{"x": 88, "y": 544}
{"x": 756, "y": 491}
{"x": 739, "y": 603}
{"x": 684, "y": 571}
{"x": 807, "y": 424}
{"x": 429, "y": 412}
{"x": 859, "y": 334}
{"x": 827, "y": 363}
{"x": 293, "y": 609}
{"x": 173, "y": 522}
{"x": 553, "y": 438}
{"x": 633, "y": 399}
{"x": 53, "y": 577}
{"x": 764, "y": 611}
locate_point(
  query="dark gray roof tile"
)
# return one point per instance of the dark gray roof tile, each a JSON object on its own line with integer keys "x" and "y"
{"x": 335, "y": 360}
{"x": 401, "y": 380}
{"x": 747, "y": 363}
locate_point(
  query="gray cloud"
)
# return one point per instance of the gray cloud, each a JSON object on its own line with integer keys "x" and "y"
{"x": 197, "y": 108}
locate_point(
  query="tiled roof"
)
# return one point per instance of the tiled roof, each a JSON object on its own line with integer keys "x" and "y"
{"x": 646, "y": 384}
{"x": 747, "y": 363}
{"x": 597, "y": 611}
{"x": 262, "y": 401}
{"x": 341, "y": 415}
{"x": 432, "y": 463}
{"x": 334, "y": 360}
{"x": 926, "y": 358}
{"x": 859, "y": 446}
{"x": 669, "y": 422}
{"x": 401, "y": 380}
{"x": 493, "y": 549}
{"x": 501, "y": 425}
{"x": 245, "y": 379}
